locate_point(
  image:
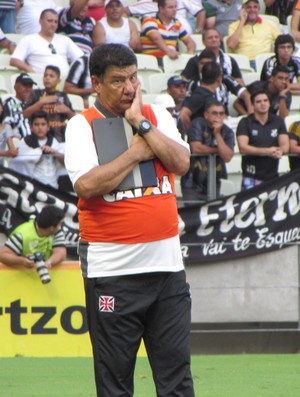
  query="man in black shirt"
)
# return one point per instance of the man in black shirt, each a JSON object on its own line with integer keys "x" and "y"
{"x": 262, "y": 138}
{"x": 278, "y": 89}
{"x": 207, "y": 135}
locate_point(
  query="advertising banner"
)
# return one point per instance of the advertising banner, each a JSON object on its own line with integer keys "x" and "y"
{"x": 44, "y": 320}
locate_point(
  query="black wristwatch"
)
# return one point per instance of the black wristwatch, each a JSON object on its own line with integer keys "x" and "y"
{"x": 144, "y": 127}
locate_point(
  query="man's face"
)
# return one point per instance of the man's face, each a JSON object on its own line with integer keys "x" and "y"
{"x": 214, "y": 114}
{"x": 177, "y": 92}
{"x": 50, "y": 80}
{"x": 117, "y": 88}
{"x": 280, "y": 81}
{"x": 168, "y": 12}
{"x": 212, "y": 39}
{"x": 23, "y": 91}
{"x": 114, "y": 10}
{"x": 285, "y": 51}
{"x": 261, "y": 104}
{"x": 253, "y": 9}
{"x": 40, "y": 128}
{"x": 49, "y": 23}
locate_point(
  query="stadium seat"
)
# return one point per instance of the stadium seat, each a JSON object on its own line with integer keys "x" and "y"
{"x": 260, "y": 60}
{"x": 197, "y": 39}
{"x": 147, "y": 62}
{"x": 137, "y": 21}
{"x": 3, "y": 86}
{"x": 148, "y": 98}
{"x": 15, "y": 37}
{"x": 290, "y": 119}
{"x": 289, "y": 24}
{"x": 175, "y": 66}
{"x": 158, "y": 83}
{"x": 144, "y": 81}
{"x": 250, "y": 77}
{"x": 295, "y": 105}
{"x": 272, "y": 18}
{"x": 77, "y": 102}
{"x": 243, "y": 62}
{"x": 4, "y": 59}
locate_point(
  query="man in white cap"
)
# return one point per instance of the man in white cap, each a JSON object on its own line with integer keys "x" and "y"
{"x": 114, "y": 28}
{"x": 252, "y": 35}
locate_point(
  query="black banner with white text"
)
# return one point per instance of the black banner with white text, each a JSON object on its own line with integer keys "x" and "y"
{"x": 262, "y": 219}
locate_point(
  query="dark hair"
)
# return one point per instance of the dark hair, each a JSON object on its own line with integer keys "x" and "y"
{"x": 206, "y": 53}
{"x": 54, "y": 68}
{"x": 279, "y": 69}
{"x": 213, "y": 102}
{"x": 283, "y": 39}
{"x": 161, "y": 3}
{"x": 47, "y": 10}
{"x": 259, "y": 92}
{"x": 210, "y": 72}
{"x": 49, "y": 216}
{"x": 39, "y": 114}
{"x": 105, "y": 55}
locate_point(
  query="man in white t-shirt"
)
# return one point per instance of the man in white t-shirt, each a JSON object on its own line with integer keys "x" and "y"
{"x": 36, "y": 51}
{"x": 28, "y": 15}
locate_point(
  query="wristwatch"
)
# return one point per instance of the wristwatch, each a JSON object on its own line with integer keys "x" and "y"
{"x": 144, "y": 127}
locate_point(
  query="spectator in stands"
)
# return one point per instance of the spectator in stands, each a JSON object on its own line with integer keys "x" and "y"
{"x": 74, "y": 22}
{"x": 160, "y": 35}
{"x": 8, "y": 15}
{"x": 226, "y": 12}
{"x": 295, "y": 22}
{"x": 34, "y": 52}
{"x": 41, "y": 156}
{"x": 280, "y": 9}
{"x": 114, "y": 28}
{"x": 207, "y": 135}
{"x": 252, "y": 35}
{"x": 194, "y": 106}
{"x": 78, "y": 81}
{"x": 96, "y": 9}
{"x": 18, "y": 125}
{"x": 193, "y": 74}
{"x": 177, "y": 88}
{"x": 212, "y": 42}
{"x": 284, "y": 49}
{"x": 294, "y": 137}
{"x": 185, "y": 9}
{"x": 5, "y": 43}
{"x": 55, "y": 103}
{"x": 262, "y": 139}
{"x": 4, "y": 150}
{"x": 168, "y": 103}
{"x": 28, "y": 15}
{"x": 278, "y": 89}
{"x": 42, "y": 234}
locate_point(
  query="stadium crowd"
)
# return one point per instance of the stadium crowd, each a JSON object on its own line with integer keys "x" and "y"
{"x": 227, "y": 71}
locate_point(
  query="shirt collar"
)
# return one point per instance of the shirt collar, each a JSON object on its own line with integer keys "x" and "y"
{"x": 259, "y": 20}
